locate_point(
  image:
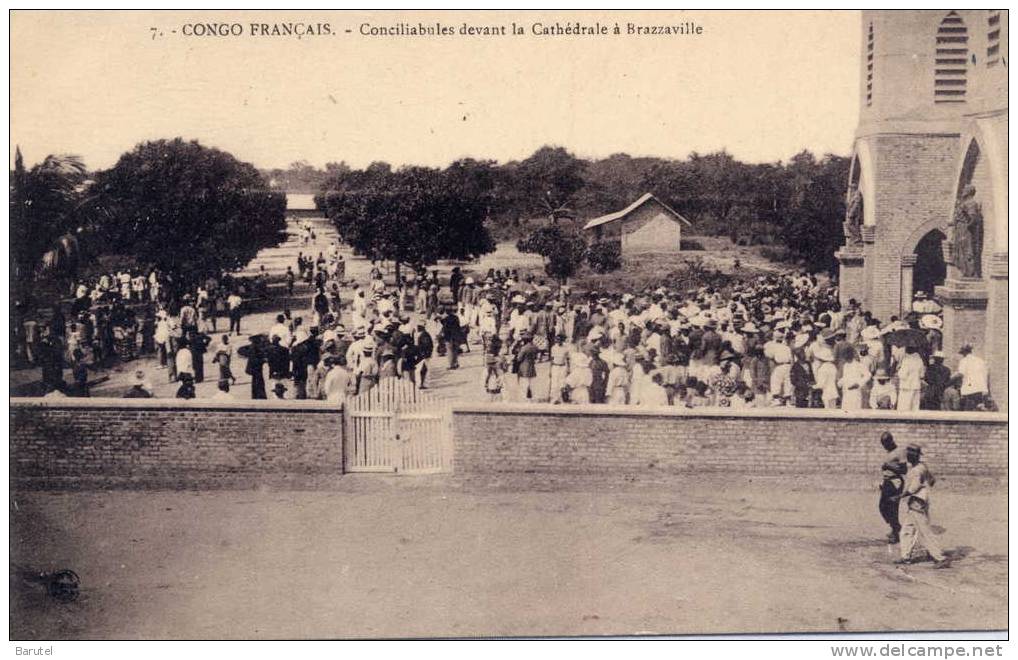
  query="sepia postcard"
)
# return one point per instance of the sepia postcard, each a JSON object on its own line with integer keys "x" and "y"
{"x": 407, "y": 324}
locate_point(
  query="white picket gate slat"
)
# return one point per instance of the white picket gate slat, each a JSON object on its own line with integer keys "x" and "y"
{"x": 394, "y": 427}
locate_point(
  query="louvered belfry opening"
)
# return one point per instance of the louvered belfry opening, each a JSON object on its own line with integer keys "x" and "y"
{"x": 950, "y": 78}
{"x": 993, "y": 38}
{"x": 869, "y": 66}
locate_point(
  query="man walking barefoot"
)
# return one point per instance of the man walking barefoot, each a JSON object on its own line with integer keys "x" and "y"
{"x": 915, "y": 511}
{"x": 893, "y": 479}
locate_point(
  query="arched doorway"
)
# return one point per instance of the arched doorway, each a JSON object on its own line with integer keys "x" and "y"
{"x": 930, "y": 270}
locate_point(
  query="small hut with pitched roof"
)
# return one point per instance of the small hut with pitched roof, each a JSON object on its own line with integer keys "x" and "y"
{"x": 646, "y": 225}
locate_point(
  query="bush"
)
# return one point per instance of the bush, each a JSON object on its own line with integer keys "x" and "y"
{"x": 778, "y": 254}
{"x": 563, "y": 250}
{"x": 694, "y": 274}
{"x": 605, "y": 256}
{"x": 691, "y": 245}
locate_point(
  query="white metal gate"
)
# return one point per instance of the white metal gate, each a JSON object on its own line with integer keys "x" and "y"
{"x": 395, "y": 427}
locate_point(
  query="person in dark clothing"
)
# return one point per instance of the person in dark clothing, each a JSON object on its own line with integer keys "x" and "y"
{"x": 279, "y": 360}
{"x": 892, "y": 480}
{"x": 599, "y": 380}
{"x": 148, "y": 331}
{"x": 710, "y": 343}
{"x": 452, "y": 336}
{"x": 802, "y": 379}
{"x": 526, "y": 361}
{"x": 321, "y": 302}
{"x": 80, "y": 373}
{"x": 290, "y": 278}
{"x": 302, "y": 356}
{"x": 58, "y": 323}
{"x": 51, "y": 358}
{"x": 186, "y": 389}
{"x": 455, "y": 283}
{"x": 198, "y": 342}
{"x": 401, "y": 342}
{"x": 581, "y": 326}
{"x": 938, "y": 377}
{"x": 255, "y": 354}
{"x": 423, "y": 349}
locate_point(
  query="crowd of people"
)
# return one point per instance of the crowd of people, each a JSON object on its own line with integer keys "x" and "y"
{"x": 118, "y": 317}
{"x": 780, "y": 340}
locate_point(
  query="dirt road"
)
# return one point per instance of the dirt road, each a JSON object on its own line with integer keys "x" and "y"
{"x": 430, "y": 556}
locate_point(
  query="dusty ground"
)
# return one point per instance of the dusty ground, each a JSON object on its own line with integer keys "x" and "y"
{"x": 380, "y": 556}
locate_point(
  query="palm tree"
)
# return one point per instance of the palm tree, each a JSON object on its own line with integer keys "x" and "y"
{"x": 44, "y": 202}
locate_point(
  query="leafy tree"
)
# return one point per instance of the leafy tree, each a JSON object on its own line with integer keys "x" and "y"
{"x": 563, "y": 250}
{"x": 189, "y": 210}
{"x": 815, "y": 208}
{"x": 415, "y": 215}
{"x": 549, "y": 179}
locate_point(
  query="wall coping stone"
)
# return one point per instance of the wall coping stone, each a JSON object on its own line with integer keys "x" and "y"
{"x": 784, "y": 413}
{"x": 112, "y": 403}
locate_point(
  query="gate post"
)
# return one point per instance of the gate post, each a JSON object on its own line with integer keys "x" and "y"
{"x": 396, "y": 444}
{"x": 344, "y": 419}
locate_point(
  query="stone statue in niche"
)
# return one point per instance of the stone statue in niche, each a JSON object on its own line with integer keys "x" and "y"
{"x": 853, "y": 217}
{"x": 966, "y": 232}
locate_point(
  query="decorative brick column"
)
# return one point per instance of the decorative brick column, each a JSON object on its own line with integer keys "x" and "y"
{"x": 908, "y": 263}
{"x": 996, "y": 326}
{"x": 851, "y": 274}
{"x": 964, "y": 300}
{"x": 869, "y": 234}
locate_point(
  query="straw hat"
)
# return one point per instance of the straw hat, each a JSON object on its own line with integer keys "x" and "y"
{"x": 870, "y": 333}
{"x": 931, "y": 322}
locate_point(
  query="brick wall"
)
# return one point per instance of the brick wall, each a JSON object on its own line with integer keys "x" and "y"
{"x": 204, "y": 442}
{"x": 172, "y": 440}
{"x": 620, "y": 440}
{"x": 914, "y": 185}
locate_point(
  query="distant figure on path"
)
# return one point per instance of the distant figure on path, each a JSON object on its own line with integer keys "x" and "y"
{"x": 233, "y": 305}
{"x": 223, "y": 357}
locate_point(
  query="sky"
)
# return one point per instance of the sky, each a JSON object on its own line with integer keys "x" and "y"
{"x": 762, "y": 85}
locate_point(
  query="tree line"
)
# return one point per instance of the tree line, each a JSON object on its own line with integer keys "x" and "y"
{"x": 541, "y": 201}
